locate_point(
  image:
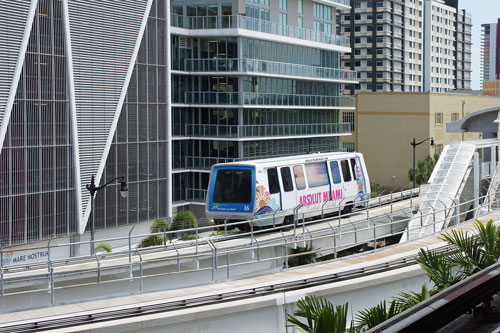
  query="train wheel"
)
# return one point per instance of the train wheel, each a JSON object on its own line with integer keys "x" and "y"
{"x": 347, "y": 209}
{"x": 246, "y": 227}
{"x": 288, "y": 221}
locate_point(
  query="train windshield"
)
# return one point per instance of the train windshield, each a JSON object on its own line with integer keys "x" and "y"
{"x": 233, "y": 186}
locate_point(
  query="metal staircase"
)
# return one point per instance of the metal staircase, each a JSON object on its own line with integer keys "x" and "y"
{"x": 492, "y": 194}
{"x": 446, "y": 184}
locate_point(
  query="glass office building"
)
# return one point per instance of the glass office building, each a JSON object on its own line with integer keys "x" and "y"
{"x": 157, "y": 92}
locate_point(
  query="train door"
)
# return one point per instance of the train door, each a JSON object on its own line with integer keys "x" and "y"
{"x": 357, "y": 172}
{"x": 288, "y": 195}
{"x": 350, "y": 186}
{"x": 274, "y": 189}
{"x": 337, "y": 186}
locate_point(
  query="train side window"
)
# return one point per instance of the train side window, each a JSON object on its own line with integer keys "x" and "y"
{"x": 317, "y": 174}
{"x": 300, "y": 181}
{"x": 346, "y": 173}
{"x": 272, "y": 178}
{"x": 286, "y": 177}
{"x": 334, "y": 166}
{"x": 353, "y": 168}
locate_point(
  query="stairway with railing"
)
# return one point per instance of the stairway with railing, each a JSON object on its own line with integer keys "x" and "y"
{"x": 492, "y": 194}
{"x": 446, "y": 184}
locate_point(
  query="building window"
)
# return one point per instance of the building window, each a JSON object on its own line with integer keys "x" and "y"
{"x": 348, "y": 117}
{"x": 322, "y": 18}
{"x": 439, "y": 148}
{"x": 348, "y": 146}
{"x": 439, "y": 118}
{"x": 454, "y": 117}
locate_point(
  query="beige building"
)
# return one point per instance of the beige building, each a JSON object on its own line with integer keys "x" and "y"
{"x": 386, "y": 123}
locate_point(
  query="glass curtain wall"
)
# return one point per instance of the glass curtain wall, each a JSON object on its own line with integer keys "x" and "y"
{"x": 37, "y": 195}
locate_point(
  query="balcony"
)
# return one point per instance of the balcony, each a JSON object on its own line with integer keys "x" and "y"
{"x": 340, "y": 4}
{"x": 251, "y": 132}
{"x": 267, "y": 99}
{"x": 248, "y": 23}
{"x": 269, "y": 67}
{"x": 186, "y": 163}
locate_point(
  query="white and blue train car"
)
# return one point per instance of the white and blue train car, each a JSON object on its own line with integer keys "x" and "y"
{"x": 252, "y": 190}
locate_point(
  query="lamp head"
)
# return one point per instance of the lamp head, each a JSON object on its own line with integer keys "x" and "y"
{"x": 123, "y": 188}
{"x": 432, "y": 142}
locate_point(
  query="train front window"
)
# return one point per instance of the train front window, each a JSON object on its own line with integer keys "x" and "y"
{"x": 233, "y": 186}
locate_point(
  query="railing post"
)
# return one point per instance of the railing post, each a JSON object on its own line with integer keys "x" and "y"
{"x": 334, "y": 244}
{"x": 141, "y": 284}
{"x": 178, "y": 259}
{"x": 98, "y": 268}
{"x": 225, "y": 227}
{"x": 227, "y": 264}
{"x": 212, "y": 250}
{"x": 434, "y": 217}
{"x": 130, "y": 245}
{"x": 52, "y": 296}
{"x": 374, "y": 236}
{"x": 48, "y": 249}
{"x": 457, "y": 211}
{"x": 286, "y": 250}
{"x": 411, "y": 197}
{"x": 258, "y": 249}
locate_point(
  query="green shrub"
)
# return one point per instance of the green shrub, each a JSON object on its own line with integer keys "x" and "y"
{"x": 188, "y": 237}
{"x": 103, "y": 247}
{"x": 302, "y": 256}
{"x": 153, "y": 240}
{"x": 184, "y": 220}
{"x": 158, "y": 226}
{"x": 222, "y": 233}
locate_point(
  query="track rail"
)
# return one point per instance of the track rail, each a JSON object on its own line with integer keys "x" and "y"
{"x": 135, "y": 311}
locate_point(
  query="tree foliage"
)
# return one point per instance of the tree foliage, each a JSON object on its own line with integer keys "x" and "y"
{"x": 103, "y": 247}
{"x": 424, "y": 169}
{"x": 376, "y": 315}
{"x": 320, "y": 316}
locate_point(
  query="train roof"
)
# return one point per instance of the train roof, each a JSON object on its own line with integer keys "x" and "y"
{"x": 287, "y": 159}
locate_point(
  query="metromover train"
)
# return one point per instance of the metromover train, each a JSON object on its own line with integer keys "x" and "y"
{"x": 318, "y": 183}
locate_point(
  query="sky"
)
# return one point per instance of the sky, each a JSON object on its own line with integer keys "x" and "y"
{"x": 483, "y": 11}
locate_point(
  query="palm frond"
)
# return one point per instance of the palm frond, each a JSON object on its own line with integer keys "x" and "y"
{"x": 320, "y": 316}
{"x": 407, "y": 300}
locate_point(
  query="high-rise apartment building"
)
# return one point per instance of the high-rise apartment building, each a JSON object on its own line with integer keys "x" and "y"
{"x": 408, "y": 45}
{"x": 490, "y": 52}
{"x": 157, "y": 92}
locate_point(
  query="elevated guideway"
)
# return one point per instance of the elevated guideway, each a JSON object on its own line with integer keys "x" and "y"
{"x": 203, "y": 260}
{"x": 247, "y": 305}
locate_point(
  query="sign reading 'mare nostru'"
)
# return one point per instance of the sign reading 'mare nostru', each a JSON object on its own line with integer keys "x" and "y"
{"x": 24, "y": 257}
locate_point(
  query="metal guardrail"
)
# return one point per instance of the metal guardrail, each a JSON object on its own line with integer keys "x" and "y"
{"x": 207, "y": 249}
{"x": 249, "y": 23}
{"x": 258, "y": 98}
{"x": 192, "y": 302}
{"x": 260, "y": 131}
{"x": 268, "y": 67}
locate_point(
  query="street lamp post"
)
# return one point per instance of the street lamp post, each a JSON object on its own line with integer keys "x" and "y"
{"x": 463, "y": 106}
{"x": 415, "y": 144}
{"x": 92, "y": 190}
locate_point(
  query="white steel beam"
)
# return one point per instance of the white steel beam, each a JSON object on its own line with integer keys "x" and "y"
{"x": 14, "y": 37}
{"x": 74, "y": 124}
{"x": 102, "y": 157}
